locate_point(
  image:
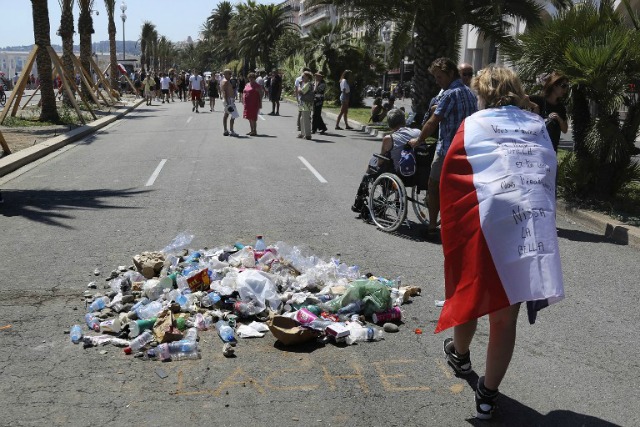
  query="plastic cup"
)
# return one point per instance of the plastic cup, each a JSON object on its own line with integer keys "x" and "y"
{"x": 137, "y": 326}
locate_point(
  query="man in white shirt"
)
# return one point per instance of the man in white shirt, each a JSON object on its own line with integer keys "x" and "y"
{"x": 164, "y": 86}
{"x": 196, "y": 86}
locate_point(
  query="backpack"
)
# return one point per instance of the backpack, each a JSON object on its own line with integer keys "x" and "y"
{"x": 407, "y": 163}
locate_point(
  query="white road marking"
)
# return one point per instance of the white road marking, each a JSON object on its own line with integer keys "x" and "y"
{"x": 261, "y": 116}
{"x": 312, "y": 169}
{"x": 189, "y": 119}
{"x": 155, "y": 173}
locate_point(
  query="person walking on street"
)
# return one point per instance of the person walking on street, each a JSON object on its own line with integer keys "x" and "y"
{"x": 228, "y": 103}
{"x": 306, "y": 105}
{"x": 196, "y": 86}
{"x": 455, "y": 104}
{"x": 275, "y": 93}
{"x": 318, "y": 90}
{"x": 296, "y": 87}
{"x": 213, "y": 93}
{"x": 148, "y": 84}
{"x": 165, "y": 82}
{"x": 486, "y": 269}
{"x": 252, "y": 100}
{"x": 345, "y": 95}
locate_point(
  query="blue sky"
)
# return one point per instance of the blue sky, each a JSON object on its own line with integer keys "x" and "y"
{"x": 17, "y": 22}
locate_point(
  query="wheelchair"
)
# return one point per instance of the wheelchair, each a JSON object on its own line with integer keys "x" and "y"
{"x": 382, "y": 197}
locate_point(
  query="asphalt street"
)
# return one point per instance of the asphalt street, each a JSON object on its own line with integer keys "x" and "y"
{"x": 164, "y": 169}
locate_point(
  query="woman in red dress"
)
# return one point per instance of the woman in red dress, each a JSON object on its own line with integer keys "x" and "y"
{"x": 252, "y": 100}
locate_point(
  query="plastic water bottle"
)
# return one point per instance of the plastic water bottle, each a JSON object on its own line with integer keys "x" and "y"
{"x": 260, "y": 244}
{"x": 167, "y": 351}
{"x": 140, "y": 341}
{"x": 150, "y": 310}
{"x": 75, "y": 334}
{"x": 210, "y": 299}
{"x": 364, "y": 334}
{"x": 225, "y": 331}
{"x": 92, "y": 321}
{"x": 194, "y": 355}
{"x": 99, "y": 304}
{"x": 353, "y": 307}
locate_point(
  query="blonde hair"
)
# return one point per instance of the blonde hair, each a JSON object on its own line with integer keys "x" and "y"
{"x": 498, "y": 87}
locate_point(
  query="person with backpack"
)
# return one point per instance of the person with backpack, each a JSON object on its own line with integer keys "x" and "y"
{"x": 396, "y": 147}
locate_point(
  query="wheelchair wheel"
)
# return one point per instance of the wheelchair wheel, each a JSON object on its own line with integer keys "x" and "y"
{"x": 419, "y": 201}
{"x": 388, "y": 202}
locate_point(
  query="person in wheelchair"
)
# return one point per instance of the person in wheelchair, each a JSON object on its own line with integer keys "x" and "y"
{"x": 392, "y": 146}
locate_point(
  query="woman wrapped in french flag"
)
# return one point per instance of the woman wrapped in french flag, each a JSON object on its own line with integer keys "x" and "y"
{"x": 499, "y": 237}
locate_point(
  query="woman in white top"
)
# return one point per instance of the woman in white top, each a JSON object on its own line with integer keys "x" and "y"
{"x": 345, "y": 93}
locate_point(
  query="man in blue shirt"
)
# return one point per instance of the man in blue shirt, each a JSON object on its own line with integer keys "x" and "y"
{"x": 454, "y": 104}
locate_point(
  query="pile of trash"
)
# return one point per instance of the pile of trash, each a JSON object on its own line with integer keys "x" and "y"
{"x": 155, "y": 308}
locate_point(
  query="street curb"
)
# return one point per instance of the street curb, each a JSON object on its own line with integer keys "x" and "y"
{"x": 17, "y": 160}
{"x": 615, "y": 231}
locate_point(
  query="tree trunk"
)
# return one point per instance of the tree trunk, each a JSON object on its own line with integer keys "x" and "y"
{"x": 143, "y": 54}
{"x": 432, "y": 41}
{"x": 66, "y": 34}
{"x": 581, "y": 119}
{"x": 85, "y": 28}
{"x": 115, "y": 72}
{"x": 41, "y": 30}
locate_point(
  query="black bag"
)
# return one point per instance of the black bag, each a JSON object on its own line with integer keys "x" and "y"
{"x": 201, "y": 103}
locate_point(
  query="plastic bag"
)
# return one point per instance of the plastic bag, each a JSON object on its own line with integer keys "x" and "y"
{"x": 181, "y": 241}
{"x": 256, "y": 286}
{"x": 375, "y": 297}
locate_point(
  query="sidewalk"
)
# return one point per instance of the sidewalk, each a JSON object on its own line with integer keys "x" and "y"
{"x": 14, "y": 161}
{"x": 607, "y": 227}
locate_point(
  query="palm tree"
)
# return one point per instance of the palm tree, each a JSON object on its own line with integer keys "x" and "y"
{"x": 114, "y": 72}
{"x": 66, "y": 31}
{"x": 152, "y": 46}
{"x": 327, "y": 45}
{"x": 435, "y": 26}
{"x": 260, "y": 26}
{"x": 145, "y": 36}
{"x": 216, "y": 32}
{"x": 85, "y": 28}
{"x": 40, "y": 10}
{"x": 595, "y": 49}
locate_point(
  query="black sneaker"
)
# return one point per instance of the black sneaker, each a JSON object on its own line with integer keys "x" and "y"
{"x": 485, "y": 401}
{"x": 461, "y": 363}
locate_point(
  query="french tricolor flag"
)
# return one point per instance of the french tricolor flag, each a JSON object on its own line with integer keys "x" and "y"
{"x": 498, "y": 206}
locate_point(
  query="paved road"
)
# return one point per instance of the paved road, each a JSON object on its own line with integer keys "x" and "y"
{"x": 95, "y": 204}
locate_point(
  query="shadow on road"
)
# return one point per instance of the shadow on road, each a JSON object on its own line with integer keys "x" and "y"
{"x": 510, "y": 412}
{"x": 583, "y": 236}
{"x": 50, "y": 207}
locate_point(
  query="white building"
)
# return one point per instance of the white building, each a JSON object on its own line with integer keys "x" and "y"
{"x": 310, "y": 16}
{"x": 479, "y": 52}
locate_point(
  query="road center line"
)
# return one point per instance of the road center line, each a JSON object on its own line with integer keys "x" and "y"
{"x": 155, "y": 173}
{"x": 189, "y": 119}
{"x": 312, "y": 169}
